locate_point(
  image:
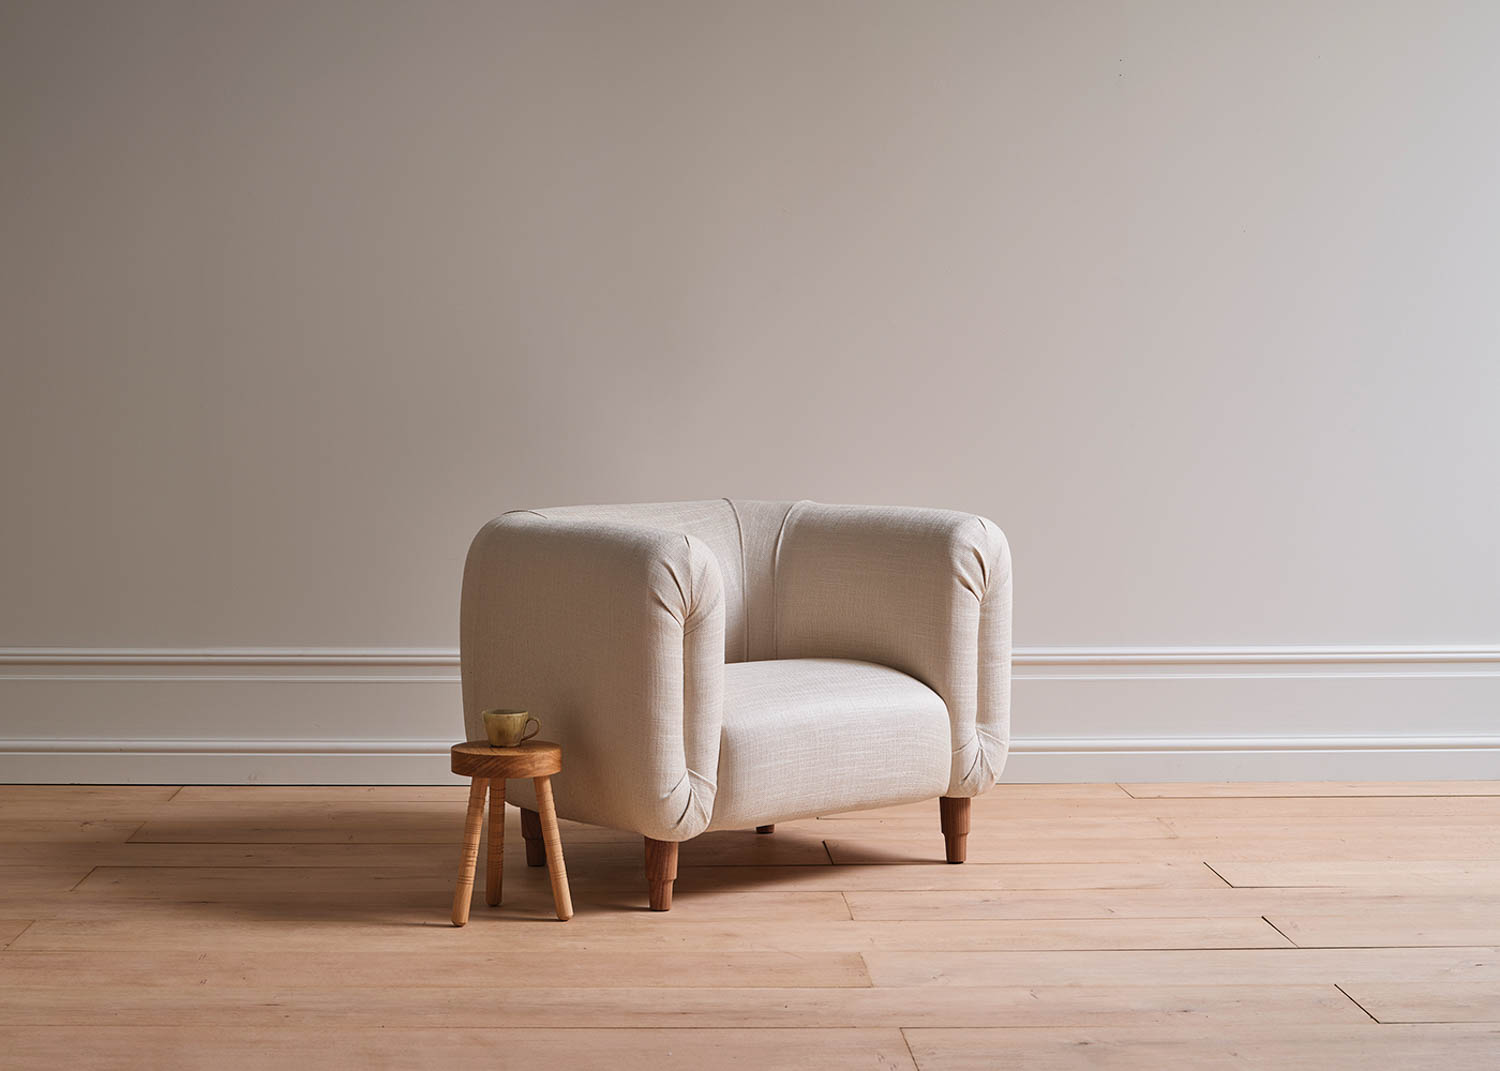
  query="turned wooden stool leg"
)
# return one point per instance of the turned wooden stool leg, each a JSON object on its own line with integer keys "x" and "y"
{"x": 765, "y": 829}
{"x": 473, "y": 823}
{"x": 531, "y": 829}
{"x": 661, "y": 871}
{"x": 953, "y": 812}
{"x": 553, "y": 840}
{"x": 495, "y": 859}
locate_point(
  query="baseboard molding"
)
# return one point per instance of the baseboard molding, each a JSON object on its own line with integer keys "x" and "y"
{"x": 387, "y": 716}
{"x": 1023, "y": 656}
{"x": 404, "y": 762}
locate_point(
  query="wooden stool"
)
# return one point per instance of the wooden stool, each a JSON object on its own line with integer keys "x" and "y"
{"x": 490, "y": 767}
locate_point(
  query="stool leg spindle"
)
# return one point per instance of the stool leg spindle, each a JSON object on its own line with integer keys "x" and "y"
{"x": 495, "y": 857}
{"x": 558, "y": 874}
{"x": 473, "y": 824}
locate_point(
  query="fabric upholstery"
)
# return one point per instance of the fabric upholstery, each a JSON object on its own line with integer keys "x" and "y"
{"x": 620, "y": 627}
{"x": 613, "y": 636}
{"x": 924, "y": 591}
{"x": 713, "y": 521}
{"x": 760, "y": 527}
{"x": 810, "y": 736}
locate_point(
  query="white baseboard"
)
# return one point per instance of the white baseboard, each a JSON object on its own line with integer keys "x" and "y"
{"x": 337, "y": 716}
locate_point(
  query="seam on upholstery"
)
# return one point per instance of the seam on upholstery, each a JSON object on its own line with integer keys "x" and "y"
{"x": 982, "y": 734}
{"x": 980, "y": 776}
{"x": 695, "y": 797}
{"x": 739, "y": 528}
{"x": 685, "y": 662}
{"x": 776, "y": 579}
{"x": 984, "y": 565}
{"x": 694, "y": 802}
{"x": 980, "y": 691}
{"x": 533, "y": 512}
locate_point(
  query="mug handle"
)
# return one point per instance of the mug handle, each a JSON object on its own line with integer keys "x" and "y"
{"x": 525, "y": 736}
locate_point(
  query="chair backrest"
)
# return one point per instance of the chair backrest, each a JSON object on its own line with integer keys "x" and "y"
{"x": 741, "y": 533}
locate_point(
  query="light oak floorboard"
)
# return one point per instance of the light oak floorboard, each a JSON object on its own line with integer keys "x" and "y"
{"x": 1270, "y": 1047}
{"x": 986, "y": 848}
{"x": 1396, "y": 850}
{"x": 25, "y": 830}
{"x": 1457, "y": 875}
{"x": 436, "y": 824}
{"x": 307, "y": 892}
{"x": 625, "y": 874}
{"x": 10, "y": 929}
{"x": 327, "y": 821}
{"x": 56, "y": 802}
{"x": 1458, "y": 922}
{"x": 1483, "y": 827}
{"x": 1437, "y": 844}
{"x": 936, "y": 873}
{"x": 289, "y": 927}
{"x": 387, "y": 857}
{"x": 98, "y": 796}
{"x": 1001, "y": 827}
{"x": 1255, "y": 966}
{"x": 496, "y": 966}
{"x": 1428, "y": 1002}
{"x": 630, "y": 932}
{"x": 1317, "y": 788}
{"x": 1218, "y": 902}
{"x": 502, "y": 1044}
{"x": 343, "y": 1009}
{"x": 25, "y": 882}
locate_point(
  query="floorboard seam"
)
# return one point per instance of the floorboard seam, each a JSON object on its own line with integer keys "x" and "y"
{"x": 1356, "y": 1003}
{"x": 907, "y": 1042}
{"x": 29, "y": 924}
{"x": 1216, "y": 874}
{"x": 1279, "y": 930}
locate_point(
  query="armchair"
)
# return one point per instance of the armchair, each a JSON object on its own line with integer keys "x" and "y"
{"x": 727, "y": 664}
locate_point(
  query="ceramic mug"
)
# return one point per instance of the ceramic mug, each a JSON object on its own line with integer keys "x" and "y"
{"x": 507, "y": 728}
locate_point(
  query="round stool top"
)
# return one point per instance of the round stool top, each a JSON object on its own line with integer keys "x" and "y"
{"x": 535, "y": 758}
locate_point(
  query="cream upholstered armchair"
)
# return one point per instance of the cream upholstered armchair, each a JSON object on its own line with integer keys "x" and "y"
{"x": 728, "y": 664}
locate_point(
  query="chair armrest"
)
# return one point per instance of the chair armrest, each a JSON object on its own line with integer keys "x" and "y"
{"x": 612, "y": 635}
{"x": 924, "y": 591}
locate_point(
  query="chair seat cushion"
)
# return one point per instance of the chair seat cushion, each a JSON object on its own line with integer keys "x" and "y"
{"x": 810, "y": 736}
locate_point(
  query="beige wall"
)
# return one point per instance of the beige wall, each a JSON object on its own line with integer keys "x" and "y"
{"x": 1197, "y": 300}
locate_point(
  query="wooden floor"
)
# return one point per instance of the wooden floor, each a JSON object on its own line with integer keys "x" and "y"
{"x": 1313, "y": 926}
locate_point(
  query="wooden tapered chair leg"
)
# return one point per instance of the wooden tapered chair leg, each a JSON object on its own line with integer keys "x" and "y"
{"x": 494, "y": 860}
{"x": 473, "y": 825}
{"x": 766, "y": 829}
{"x": 953, "y": 812}
{"x": 531, "y": 829}
{"x": 661, "y": 871}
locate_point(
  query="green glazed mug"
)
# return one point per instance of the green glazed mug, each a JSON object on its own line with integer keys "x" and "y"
{"x": 507, "y": 728}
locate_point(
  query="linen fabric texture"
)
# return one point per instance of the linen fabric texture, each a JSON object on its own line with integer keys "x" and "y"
{"x": 729, "y": 663}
